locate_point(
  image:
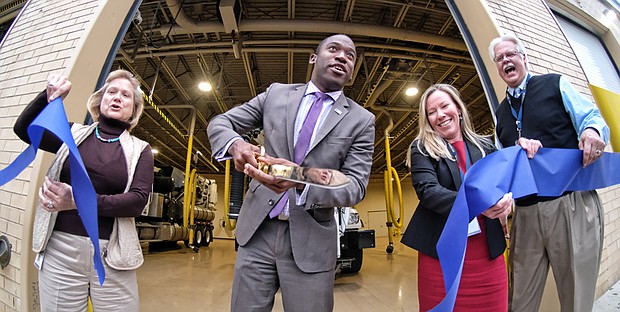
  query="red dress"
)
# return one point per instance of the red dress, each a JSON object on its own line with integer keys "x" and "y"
{"x": 484, "y": 281}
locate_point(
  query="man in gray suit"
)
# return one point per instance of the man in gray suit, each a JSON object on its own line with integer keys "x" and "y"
{"x": 296, "y": 250}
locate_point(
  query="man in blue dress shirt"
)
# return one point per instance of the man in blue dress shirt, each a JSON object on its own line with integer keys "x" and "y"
{"x": 565, "y": 232}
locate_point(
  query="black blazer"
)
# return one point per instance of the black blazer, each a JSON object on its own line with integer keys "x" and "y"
{"x": 436, "y": 183}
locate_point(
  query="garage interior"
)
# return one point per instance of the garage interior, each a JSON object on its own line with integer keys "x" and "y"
{"x": 240, "y": 48}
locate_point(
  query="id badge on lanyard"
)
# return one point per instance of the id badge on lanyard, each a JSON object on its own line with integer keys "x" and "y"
{"x": 518, "y": 115}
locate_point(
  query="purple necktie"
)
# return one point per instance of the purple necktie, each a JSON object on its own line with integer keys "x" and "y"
{"x": 303, "y": 142}
{"x": 307, "y": 128}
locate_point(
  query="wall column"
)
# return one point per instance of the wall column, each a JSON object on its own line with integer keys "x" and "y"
{"x": 68, "y": 37}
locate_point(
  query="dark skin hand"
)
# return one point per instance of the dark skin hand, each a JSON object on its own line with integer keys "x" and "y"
{"x": 244, "y": 155}
{"x": 275, "y": 184}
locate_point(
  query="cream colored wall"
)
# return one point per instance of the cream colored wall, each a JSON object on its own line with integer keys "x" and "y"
{"x": 590, "y": 15}
{"x": 375, "y": 200}
{"x": 73, "y": 37}
{"x": 549, "y": 51}
{"x": 70, "y": 37}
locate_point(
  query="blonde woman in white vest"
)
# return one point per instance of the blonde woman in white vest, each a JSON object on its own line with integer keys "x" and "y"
{"x": 121, "y": 169}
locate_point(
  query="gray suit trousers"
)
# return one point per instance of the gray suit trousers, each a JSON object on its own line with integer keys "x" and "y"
{"x": 265, "y": 264}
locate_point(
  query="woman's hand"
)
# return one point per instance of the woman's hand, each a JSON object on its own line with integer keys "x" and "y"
{"x": 500, "y": 211}
{"x": 57, "y": 86}
{"x": 56, "y": 196}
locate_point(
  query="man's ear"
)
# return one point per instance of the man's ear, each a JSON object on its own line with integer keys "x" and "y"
{"x": 312, "y": 59}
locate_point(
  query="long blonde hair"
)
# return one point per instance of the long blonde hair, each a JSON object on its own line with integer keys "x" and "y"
{"x": 430, "y": 141}
{"x": 94, "y": 101}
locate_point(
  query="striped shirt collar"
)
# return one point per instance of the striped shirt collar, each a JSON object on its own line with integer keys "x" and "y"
{"x": 334, "y": 95}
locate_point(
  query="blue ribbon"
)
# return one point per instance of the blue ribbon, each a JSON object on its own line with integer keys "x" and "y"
{"x": 53, "y": 119}
{"x": 551, "y": 172}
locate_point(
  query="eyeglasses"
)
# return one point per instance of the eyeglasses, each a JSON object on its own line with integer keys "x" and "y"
{"x": 509, "y": 55}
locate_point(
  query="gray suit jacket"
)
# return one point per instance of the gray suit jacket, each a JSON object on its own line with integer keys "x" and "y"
{"x": 345, "y": 142}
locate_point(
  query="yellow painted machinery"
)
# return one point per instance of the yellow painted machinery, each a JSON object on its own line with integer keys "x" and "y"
{"x": 166, "y": 218}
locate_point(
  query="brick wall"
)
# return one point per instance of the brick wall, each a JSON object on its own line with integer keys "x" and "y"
{"x": 41, "y": 42}
{"x": 549, "y": 52}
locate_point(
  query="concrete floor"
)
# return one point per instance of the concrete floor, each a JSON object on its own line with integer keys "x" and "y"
{"x": 610, "y": 301}
{"x": 181, "y": 280}
{"x": 177, "y": 279}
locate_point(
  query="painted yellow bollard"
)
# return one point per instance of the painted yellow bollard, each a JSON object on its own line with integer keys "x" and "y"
{"x": 608, "y": 103}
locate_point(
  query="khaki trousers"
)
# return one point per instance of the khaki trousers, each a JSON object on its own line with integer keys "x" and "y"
{"x": 68, "y": 273}
{"x": 566, "y": 233}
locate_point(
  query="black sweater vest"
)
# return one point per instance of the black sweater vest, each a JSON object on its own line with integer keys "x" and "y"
{"x": 544, "y": 116}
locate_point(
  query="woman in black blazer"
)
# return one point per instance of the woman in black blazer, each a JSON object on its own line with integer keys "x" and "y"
{"x": 446, "y": 146}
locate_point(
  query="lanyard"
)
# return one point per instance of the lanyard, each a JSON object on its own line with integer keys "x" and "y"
{"x": 467, "y": 159}
{"x": 518, "y": 116}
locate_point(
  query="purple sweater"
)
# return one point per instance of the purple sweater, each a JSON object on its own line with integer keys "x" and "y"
{"x": 107, "y": 168}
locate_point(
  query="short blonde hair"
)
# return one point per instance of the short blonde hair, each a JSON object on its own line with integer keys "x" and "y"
{"x": 94, "y": 101}
{"x": 432, "y": 142}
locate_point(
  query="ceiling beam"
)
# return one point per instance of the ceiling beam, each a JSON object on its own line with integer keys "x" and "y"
{"x": 324, "y": 26}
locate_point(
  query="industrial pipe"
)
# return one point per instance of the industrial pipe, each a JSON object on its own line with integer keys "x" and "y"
{"x": 190, "y": 209}
{"x": 391, "y": 176}
{"x": 229, "y": 224}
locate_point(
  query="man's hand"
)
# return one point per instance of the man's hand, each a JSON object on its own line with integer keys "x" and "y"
{"x": 275, "y": 184}
{"x": 530, "y": 146}
{"x": 244, "y": 153}
{"x": 592, "y": 146}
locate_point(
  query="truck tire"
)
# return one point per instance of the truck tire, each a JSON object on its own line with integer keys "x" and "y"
{"x": 207, "y": 237}
{"x": 199, "y": 236}
{"x": 356, "y": 264}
